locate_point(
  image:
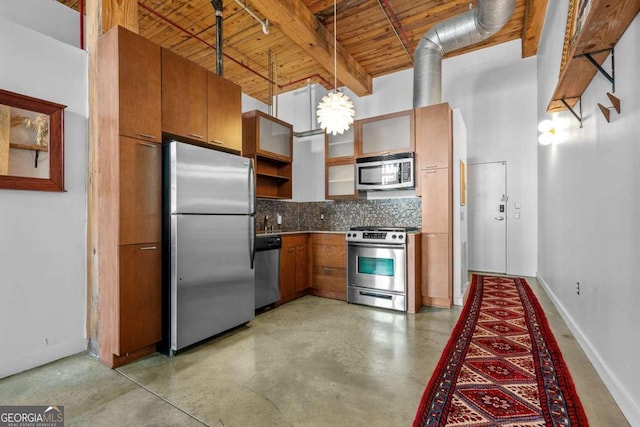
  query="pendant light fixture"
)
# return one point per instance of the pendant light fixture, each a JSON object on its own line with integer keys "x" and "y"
{"x": 335, "y": 111}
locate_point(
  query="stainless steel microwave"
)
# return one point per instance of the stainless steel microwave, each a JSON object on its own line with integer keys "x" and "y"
{"x": 391, "y": 172}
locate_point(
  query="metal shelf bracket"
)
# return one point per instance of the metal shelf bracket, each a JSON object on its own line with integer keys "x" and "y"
{"x": 611, "y": 77}
{"x": 615, "y": 104}
{"x": 578, "y": 117}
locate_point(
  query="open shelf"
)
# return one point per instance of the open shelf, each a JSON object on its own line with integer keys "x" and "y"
{"x": 273, "y": 176}
{"x": 275, "y": 158}
{"x": 603, "y": 26}
{"x": 31, "y": 147}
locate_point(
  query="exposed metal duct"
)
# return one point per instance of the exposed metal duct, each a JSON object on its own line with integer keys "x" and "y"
{"x": 460, "y": 31}
{"x": 217, "y": 5}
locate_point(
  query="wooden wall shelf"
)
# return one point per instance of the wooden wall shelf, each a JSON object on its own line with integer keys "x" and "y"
{"x": 603, "y": 26}
{"x": 31, "y": 147}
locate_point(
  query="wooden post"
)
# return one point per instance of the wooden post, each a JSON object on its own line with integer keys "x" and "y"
{"x": 5, "y": 129}
{"x": 101, "y": 16}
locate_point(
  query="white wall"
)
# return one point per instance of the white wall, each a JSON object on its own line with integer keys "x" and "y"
{"x": 589, "y": 200}
{"x": 48, "y": 17}
{"x": 298, "y": 107}
{"x": 495, "y": 89}
{"x": 460, "y": 216}
{"x": 42, "y": 234}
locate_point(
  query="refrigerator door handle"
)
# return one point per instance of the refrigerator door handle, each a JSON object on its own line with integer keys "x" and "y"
{"x": 252, "y": 189}
{"x": 252, "y": 240}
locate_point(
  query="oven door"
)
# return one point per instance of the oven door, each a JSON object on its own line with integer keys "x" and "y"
{"x": 377, "y": 266}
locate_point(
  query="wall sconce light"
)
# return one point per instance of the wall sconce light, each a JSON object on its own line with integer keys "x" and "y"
{"x": 547, "y": 131}
{"x": 606, "y": 111}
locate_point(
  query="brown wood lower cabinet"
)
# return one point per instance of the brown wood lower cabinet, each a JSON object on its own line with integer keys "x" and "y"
{"x": 436, "y": 262}
{"x": 414, "y": 272}
{"x": 329, "y": 266}
{"x": 140, "y": 296}
{"x": 294, "y": 266}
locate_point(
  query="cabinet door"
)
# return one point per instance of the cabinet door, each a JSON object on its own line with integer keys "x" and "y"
{"x": 139, "y": 87}
{"x": 436, "y": 201}
{"x": 340, "y": 180}
{"x": 436, "y": 269}
{"x": 184, "y": 97}
{"x": 340, "y": 146}
{"x": 391, "y": 133}
{"x": 274, "y": 137}
{"x": 302, "y": 267}
{"x": 224, "y": 99}
{"x": 434, "y": 142}
{"x": 287, "y": 271}
{"x": 140, "y": 191}
{"x": 140, "y": 296}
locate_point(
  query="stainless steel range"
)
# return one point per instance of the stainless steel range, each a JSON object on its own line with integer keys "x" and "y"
{"x": 376, "y": 266}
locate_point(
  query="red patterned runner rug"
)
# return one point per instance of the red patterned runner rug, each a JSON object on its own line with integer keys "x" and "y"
{"x": 501, "y": 366}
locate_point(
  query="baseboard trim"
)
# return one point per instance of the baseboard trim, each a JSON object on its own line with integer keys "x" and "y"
{"x": 51, "y": 354}
{"x": 617, "y": 390}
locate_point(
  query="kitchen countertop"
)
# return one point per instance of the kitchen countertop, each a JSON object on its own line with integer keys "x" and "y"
{"x": 286, "y": 231}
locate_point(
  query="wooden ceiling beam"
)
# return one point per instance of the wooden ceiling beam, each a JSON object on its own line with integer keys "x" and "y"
{"x": 532, "y": 29}
{"x": 303, "y": 28}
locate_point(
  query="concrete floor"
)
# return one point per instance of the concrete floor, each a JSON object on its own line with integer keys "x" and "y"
{"x": 311, "y": 362}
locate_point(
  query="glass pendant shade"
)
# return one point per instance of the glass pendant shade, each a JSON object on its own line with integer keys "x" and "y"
{"x": 335, "y": 113}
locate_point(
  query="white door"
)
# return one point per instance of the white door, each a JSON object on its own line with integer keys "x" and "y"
{"x": 487, "y": 210}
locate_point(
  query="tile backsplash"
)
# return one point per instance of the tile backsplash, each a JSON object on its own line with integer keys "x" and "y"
{"x": 339, "y": 215}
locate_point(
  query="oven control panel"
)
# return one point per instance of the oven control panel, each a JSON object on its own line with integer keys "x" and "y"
{"x": 386, "y": 237}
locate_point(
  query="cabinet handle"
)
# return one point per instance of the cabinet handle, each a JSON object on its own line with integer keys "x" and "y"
{"x": 146, "y": 135}
{"x": 431, "y": 171}
{"x": 195, "y": 135}
{"x": 147, "y": 144}
{"x": 149, "y": 248}
{"x": 327, "y": 270}
{"x": 215, "y": 141}
{"x": 384, "y": 153}
{"x": 290, "y": 250}
{"x": 430, "y": 167}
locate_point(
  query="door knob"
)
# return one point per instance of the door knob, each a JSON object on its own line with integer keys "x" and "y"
{"x": 499, "y": 218}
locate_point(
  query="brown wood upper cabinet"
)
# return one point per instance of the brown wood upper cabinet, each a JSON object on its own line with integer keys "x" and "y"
{"x": 387, "y": 134}
{"x": 184, "y": 97}
{"x": 134, "y": 73}
{"x": 199, "y": 104}
{"x": 434, "y": 143}
{"x": 269, "y": 141}
{"x": 339, "y": 160}
{"x": 224, "y": 112}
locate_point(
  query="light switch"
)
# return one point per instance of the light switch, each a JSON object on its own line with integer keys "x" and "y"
{"x": 516, "y": 205}
{"x": 517, "y": 215}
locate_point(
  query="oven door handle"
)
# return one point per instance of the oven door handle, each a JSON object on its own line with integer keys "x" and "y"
{"x": 377, "y": 245}
{"x": 375, "y": 295}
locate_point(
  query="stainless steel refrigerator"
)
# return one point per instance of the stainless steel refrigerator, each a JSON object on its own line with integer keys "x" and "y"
{"x": 209, "y": 203}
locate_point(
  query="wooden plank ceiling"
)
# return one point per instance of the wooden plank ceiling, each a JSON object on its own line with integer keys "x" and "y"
{"x": 375, "y": 37}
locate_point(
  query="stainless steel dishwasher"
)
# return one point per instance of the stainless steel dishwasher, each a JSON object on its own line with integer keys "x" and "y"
{"x": 267, "y": 269}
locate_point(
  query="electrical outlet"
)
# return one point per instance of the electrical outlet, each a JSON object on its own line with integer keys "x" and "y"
{"x": 578, "y": 288}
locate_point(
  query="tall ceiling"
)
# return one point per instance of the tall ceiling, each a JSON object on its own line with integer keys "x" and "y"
{"x": 375, "y": 37}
